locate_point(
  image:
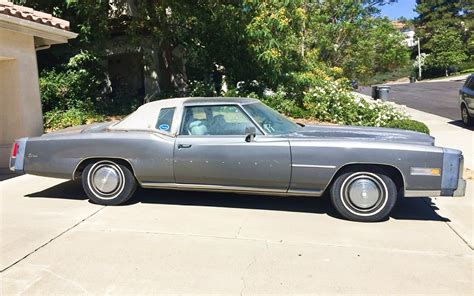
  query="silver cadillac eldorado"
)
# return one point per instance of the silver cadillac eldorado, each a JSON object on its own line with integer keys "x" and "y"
{"x": 241, "y": 145}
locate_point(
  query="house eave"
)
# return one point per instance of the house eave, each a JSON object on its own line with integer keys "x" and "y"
{"x": 44, "y": 35}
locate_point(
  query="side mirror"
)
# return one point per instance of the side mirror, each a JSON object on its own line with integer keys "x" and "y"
{"x": 250, "y": 133}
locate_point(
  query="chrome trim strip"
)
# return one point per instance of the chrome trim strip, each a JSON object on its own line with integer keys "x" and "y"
{"x": 313, "y": 166}
{"x": 422, "y": 193}
{"x": 233, "y": 189}
{"x": 210, "y": 187}
{"x": 365, "y": 163}
{"x": 100, "y": 158}
{"x": 305, "y": 192}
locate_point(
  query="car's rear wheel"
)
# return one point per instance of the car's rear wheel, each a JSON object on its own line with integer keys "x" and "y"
{"x": 367, "y": 196}
{"x": 466, "y": 118}
{"x": 108, "y": 183}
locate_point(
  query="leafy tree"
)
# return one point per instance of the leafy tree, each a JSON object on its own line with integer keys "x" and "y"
{"x": 295, "y": 44}
{"x": 447, "y": 49}
{"x": 467, "y": 25}
{"x": 86, "y": 18}
{"x": 274, "y": 36}
{"x": 350, "y": 34}
{"x": 434, "y": 15}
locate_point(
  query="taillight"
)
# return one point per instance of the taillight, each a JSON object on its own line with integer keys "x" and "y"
{"x": 14, "y": 150}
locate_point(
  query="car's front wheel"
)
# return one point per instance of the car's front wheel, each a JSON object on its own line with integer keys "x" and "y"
{"x": 466, "y": 118}
{"x": 367, "y": 196}
{"x": 108, "y": 183}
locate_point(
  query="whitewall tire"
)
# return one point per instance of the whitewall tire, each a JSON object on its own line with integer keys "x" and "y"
{"x": 367, "y": 196}
{"x": 108, "y": 183}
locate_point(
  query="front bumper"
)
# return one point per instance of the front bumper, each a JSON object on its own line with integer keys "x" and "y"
{"x": 461, "y": 190}
{"x": 452, "y": 183}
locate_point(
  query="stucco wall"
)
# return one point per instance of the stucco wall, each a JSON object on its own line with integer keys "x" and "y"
{"x": 20, "y": 105}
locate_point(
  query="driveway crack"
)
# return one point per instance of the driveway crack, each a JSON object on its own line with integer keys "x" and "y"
{"x": 242, "y": 277}
{"x": 52, "y": 239}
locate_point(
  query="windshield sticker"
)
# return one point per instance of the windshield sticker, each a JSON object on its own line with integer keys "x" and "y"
{"x": 164, "y": 127}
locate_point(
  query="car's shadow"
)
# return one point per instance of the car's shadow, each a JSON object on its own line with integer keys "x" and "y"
{"x": 6, "y": 174}
{"x": 406, "y": 208}
{"x": 461, "y": 124}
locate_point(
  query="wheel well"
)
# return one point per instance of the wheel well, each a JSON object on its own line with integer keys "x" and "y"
{"x": 84, "y": 163}
{"x": 391, "y": 171}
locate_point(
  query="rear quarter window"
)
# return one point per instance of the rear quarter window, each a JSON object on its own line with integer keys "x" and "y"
{"x": 165, "y": 119}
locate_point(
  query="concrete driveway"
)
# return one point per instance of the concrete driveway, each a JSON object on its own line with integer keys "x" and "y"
{"x": 54, "y": 241}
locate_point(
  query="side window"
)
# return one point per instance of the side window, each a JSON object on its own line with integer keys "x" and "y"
{"x": 224, "y": 120}
{"x": 470, "y": 84}
{"x": 165, "y": 119}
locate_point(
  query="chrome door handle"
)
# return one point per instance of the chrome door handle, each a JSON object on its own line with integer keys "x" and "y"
{"x": 184, "y": 146}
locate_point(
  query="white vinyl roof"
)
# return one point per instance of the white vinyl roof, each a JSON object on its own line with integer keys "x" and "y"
{"x": 146, "y": 116}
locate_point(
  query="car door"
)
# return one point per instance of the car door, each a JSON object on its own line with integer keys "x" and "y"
{"x": 469, "y": 94}
{"x": 211, "y": 149}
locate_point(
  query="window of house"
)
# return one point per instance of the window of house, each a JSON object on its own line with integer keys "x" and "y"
{"x": 165, "y": 119}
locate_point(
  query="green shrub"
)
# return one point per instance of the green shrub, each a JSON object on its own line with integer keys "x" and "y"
{"x": 409, "y": 124}
{"x": 59, "y": 119}
{"x": 330, "y": 102}
{"x": 73, "y": 86}
{"x": 279, "y": 102}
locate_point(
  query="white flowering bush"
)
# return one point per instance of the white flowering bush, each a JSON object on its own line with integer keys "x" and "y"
{"x": 329, "y": 101}
{"x": 333, "y": 101}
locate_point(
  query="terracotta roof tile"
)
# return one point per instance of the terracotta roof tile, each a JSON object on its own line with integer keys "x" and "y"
{"x": 27, "y": 13}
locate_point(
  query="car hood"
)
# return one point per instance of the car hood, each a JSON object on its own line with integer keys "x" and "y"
{"x": 362, "y": 133}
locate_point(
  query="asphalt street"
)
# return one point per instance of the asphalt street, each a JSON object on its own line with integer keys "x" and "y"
{"x": 440, "y": 98}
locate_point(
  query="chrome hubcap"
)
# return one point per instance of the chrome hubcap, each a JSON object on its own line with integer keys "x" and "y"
{"x": 364, "y": 193}
{"x": 106, "y": 179}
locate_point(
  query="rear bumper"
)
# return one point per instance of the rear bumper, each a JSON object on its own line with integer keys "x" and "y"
{"x": 17, "y": 163}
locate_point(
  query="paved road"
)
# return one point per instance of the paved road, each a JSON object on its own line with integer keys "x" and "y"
{"x": 53, "y": 241}
{"x": 440, "y": 98}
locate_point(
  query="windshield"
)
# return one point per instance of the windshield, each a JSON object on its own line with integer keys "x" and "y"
{"x": 271, "y": 121}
